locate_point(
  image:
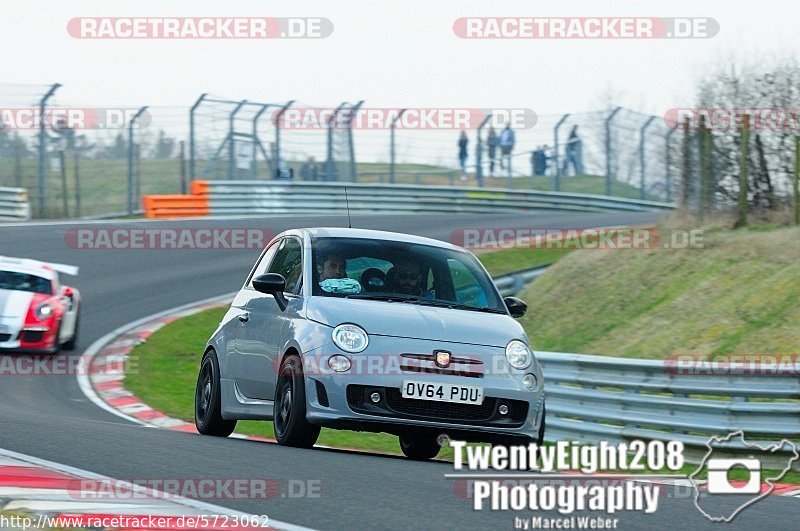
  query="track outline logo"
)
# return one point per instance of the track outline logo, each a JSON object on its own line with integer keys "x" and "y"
{"x": 769, "y": 481}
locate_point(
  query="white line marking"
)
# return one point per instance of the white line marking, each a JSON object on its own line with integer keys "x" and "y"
{"x": 207, "y": 508}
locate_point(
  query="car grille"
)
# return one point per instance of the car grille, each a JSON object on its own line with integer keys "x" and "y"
{"x": 322, "y": 394}
{"x": 32, "y": 336}
{"x": 4, "y": 337}
{"x": 393, "y": 404}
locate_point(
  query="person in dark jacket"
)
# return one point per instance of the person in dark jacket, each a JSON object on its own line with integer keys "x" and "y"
{"x": 309, "y": 170}
{"x": 491, "y": 143}
{"x": 462, "y": 154}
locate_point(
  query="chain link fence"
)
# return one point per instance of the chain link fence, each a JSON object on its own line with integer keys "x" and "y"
{"x": 86, "y": 161}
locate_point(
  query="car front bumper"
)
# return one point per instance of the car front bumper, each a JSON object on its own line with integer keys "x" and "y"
{"x": 342, "y": 400}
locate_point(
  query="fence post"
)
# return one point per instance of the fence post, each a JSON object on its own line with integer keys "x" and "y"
{"x": 330, "y": 171}
{"x": 255, "y": 142}
{"x": 353, "y": 165}
{"x": 479, "y": 151}
{"x": 392, "y": 148}
{"x": 668, "y": 160}
{"x": 232, "y": 139}
{"x": 43, "y": 146}
{"x": 796, "y": 179}
{"x": 608, "y": 148}
{"x": 557, "y": 174}
{"x": 77, "y": 184}
{"x": 182, "y": 168}
{"x": 63, "y": 164}
{"x": 278, "y": 119}
{"x": 744, "y": 168}
{"x": 686, "y": 167}
{"x": 642, "y": 133}
{"x": 192, "y": 148}
{"x": 706, "y": 176}
{"x": 130, "y": 158}
{"x": 17, "y": 162}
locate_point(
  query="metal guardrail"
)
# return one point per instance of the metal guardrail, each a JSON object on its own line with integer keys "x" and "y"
{"x": 261, "y": 197}
{"x": 14, "y": 204}
{"x": 513, "y": 283}
{"x": 593, "y": 398}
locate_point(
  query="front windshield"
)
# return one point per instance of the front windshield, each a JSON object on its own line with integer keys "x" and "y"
{"x": 14, "y": 280}
{"x": 390, "y": 270}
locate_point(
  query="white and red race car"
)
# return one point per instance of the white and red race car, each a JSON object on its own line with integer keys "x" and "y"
{"x": 37, "y": 313}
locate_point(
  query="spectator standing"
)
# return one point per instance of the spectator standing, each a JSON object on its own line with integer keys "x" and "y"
{"x": 574, "y": 153}
{"x": 506, "y": 147}
{"x": 309, "y": 170}
{"x": 462, "y": 154}
{"x": 491, "y": 142}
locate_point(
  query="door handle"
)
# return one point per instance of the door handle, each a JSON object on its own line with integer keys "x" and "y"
{"x": 244, "y": 317}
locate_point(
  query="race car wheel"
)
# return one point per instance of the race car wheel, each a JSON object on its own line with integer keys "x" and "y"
{"x": 207, "y": 413}
{"x": 291, "y": 426}
{"x": 419, "y": 446}
{"x": 70, "y": 345}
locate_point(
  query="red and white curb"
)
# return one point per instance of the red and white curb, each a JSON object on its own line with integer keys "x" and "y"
{"x": 106, "y": 359}
{"x": 35, "y": 493}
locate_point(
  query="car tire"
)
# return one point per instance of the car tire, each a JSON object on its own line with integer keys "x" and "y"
{"x": 291, "y": 426}
{"x": 540, "y": 437}
{"x": 207, "y": 401}
{"x": 419, "y": 446}
{"x": 70, "y": 345}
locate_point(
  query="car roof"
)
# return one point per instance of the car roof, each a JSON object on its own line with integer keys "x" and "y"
{"x": 368, "y": 234}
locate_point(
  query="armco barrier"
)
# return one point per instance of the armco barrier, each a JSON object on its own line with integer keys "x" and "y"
{"x": 592, "y": 398}
{"x": 14, "y": 204}
{"x": 272, "y": 197}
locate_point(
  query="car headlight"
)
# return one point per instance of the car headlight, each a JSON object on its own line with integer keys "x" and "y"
{"x": 518, "y": 354}
{"x": 44, "y": 311}
{"x": 350, "y": 338}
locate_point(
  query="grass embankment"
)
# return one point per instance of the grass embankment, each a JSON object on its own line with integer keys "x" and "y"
{"x": 739, "y": 294}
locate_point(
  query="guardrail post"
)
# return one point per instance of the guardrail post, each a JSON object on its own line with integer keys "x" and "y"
{"x": 232, "y": 139}
{"x": 668, "y": 160}
{"x": 608, "y": 148}
{"x": 351, "y": 145}
{"x": 557, "y": 174}
{"x": 392, "y": 148}
{"x": 192, "y": 149}
{"x": 479, "y": 151}
{"x": 642, "y": 133}
{"x": 43, "y": 145}
{"x": 130, "y": 158}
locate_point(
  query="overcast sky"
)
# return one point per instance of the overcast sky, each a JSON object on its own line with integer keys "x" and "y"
{"x": 401, "y": 53}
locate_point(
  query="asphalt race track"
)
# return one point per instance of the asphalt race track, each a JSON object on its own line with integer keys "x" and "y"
{"x": 48, "y": 416}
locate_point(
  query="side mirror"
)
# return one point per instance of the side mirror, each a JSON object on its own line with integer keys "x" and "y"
{"x": 66, "y": 291}
{"x": 272, "y": 284}
{"x": 516, "y": 307}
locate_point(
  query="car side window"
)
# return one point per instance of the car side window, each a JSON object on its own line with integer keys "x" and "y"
{"x": 288, "y": 261}
{"x": 263, "y": 263}
{"x": 467, "y": 288}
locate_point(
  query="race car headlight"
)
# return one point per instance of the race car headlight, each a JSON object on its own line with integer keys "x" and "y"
{"x": 44, "y": 311}
{"x": 350, "y": 338}
{"x": 518, "y": 354}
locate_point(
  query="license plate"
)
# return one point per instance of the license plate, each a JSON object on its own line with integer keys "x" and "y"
{"x": 460, "y": 394}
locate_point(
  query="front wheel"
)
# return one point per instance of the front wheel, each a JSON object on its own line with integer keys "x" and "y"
{"x": 70, "y": 345}
{"x": 419, "y": 446}
{"x": 291, "y": 426}
{"x": 207, "y": 402}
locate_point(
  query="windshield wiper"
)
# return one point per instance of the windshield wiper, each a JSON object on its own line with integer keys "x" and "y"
{"x": 376, "y": 297}
{"x": 456, "y": 306}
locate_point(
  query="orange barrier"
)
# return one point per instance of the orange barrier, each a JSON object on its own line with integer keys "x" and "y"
{"x": 175, "y": 206}
{"x": 199, "y": 188}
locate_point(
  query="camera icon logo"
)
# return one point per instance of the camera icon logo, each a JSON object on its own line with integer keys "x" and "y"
{"x": 718, "y": 482}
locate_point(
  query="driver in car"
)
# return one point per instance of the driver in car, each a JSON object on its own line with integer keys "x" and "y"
{"x": 405, "y": 277}
{"x": 334, "y": 266}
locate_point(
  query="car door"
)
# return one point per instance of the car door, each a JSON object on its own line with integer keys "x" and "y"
{"x": 263, "y": 331}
